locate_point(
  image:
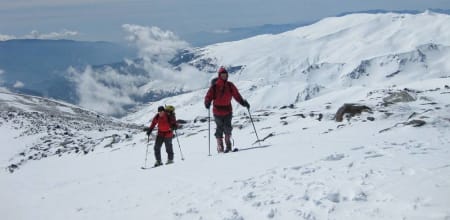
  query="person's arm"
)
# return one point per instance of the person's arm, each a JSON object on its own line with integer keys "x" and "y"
{"x": 153, "y": 124}
{"x": 237, "y": 96}
{"x": 209, "y": 97}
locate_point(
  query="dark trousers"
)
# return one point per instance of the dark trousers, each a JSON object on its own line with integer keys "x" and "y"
{"x": 223, "y": 125}
{"x": 158, "y": 144}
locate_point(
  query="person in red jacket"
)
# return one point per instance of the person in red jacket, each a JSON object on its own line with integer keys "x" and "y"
{"x": 166, "y": 124}
{"x": 220, "y": 94}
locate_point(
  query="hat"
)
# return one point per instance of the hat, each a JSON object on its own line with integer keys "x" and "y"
{"x": 222, "y": 70}
{"x": 160, "y": 108}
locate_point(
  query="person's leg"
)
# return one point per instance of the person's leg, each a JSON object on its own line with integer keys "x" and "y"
{"x": 227, "y": 128}
{"x": 169, "y": 149}
{"x": 219, "y": 132}
{"x": 157, "y": 149}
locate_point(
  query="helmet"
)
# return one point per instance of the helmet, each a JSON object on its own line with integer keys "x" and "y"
{"x": 160, "y": 108}
{"x": 170, "y": 108}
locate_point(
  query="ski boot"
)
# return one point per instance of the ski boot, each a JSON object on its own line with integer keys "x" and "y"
{"x": 169, "y": 162}
{"x": 228, "y": 143}
{"x": 157, "y": 163}
{"x": 219, "y": 145}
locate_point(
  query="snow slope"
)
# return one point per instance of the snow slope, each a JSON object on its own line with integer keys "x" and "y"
{"x": 329, "y": 54}
{"x": 380, "y": 164}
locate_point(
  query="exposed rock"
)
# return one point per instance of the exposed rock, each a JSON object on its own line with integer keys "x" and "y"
{"x": 291, "y": 106}
{"x": 351, "y": 110}
{"x": 402, "y": 96}
{"x": 415, "y": 123}
{"x": 301, "y": 115}
{"x": 181, "y": 121}
{"x": 320, "y": 117}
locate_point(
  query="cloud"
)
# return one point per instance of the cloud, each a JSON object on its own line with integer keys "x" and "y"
{"x": 2, "y": 89}
{"x": 221, "y": 31}
{"x": 111, "y": 92}
{"x": 154, "y": 44}
{"x": 18, "y": 84}
{"x": 63, "y": 34}
{"x": 105, "y": 90}
{"x": 53, "y": 35}
{"x": 6, "y": 37}
{"x": 1, "y": 76}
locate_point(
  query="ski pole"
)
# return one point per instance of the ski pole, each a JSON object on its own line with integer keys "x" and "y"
{"x": 251, "y": 119}
{"x": 209, "y": 133}
{"x": 182, "y": 158}
{"x": 146, "y": 152}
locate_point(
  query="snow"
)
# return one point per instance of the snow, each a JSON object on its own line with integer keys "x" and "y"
{"x": 311, "y": 168}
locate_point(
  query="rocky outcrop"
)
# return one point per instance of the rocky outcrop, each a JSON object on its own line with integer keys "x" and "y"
{"x": 351, "y": 110}
{"x": 401, "y": 96}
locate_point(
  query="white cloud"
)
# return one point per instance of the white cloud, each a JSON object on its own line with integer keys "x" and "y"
{"x": 63, "y": 34}
{"x": 6, "y": 37}
{"x": 53, "y": 35}
{"x": 2, "y": 89}
{"x": 109, "y": 91}
{"x": 18, "y": 84}
{"x": 106, "y": 90}
{"x": 1, "y": 76}
{"x": 221, "y": 31}
{"x": 154, "y": 44}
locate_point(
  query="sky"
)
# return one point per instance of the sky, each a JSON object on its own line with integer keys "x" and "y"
{"x": 102, "y": 20}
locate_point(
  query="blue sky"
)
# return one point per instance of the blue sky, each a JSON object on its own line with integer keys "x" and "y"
{"x": 103, "y": 20}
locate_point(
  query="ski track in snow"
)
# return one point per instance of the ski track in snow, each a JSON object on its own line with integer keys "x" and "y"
{"x": 337, "y": 177}
{"x": 317, "y": 190}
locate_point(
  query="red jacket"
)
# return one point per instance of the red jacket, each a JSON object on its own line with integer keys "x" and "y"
{"x": 220, "y": 94}
{"x": 165, "y": 124}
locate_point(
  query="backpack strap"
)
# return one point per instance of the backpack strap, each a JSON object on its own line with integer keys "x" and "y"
{"x": 171, "y": 119}
{"x": 213, "y": 87}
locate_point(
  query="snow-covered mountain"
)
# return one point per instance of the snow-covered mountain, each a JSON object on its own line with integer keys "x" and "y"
{"x": 353, "y": 111}
{"x": 335, "y": 53}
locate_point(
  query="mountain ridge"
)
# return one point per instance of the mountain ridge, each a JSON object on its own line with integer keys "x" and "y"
{"x": 319, "y": 159}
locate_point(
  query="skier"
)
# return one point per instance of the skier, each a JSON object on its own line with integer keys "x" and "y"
{"x": 220, "y": 93}
{"x": 166, "y": 122}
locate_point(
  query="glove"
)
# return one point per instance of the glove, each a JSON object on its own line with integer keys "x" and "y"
{"x": 245, "y": 104}
{"x": 207, "y": 105}
{"x": 148, "y": 131}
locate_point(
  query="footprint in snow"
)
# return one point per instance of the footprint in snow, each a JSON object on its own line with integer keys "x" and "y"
{"x": 334, "y": 157}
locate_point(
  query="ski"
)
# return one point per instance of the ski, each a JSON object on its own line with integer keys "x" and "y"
{"x": 147, "y": 168}
{"x": 250, "y": 148}
{"x": 233, "y": 150}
